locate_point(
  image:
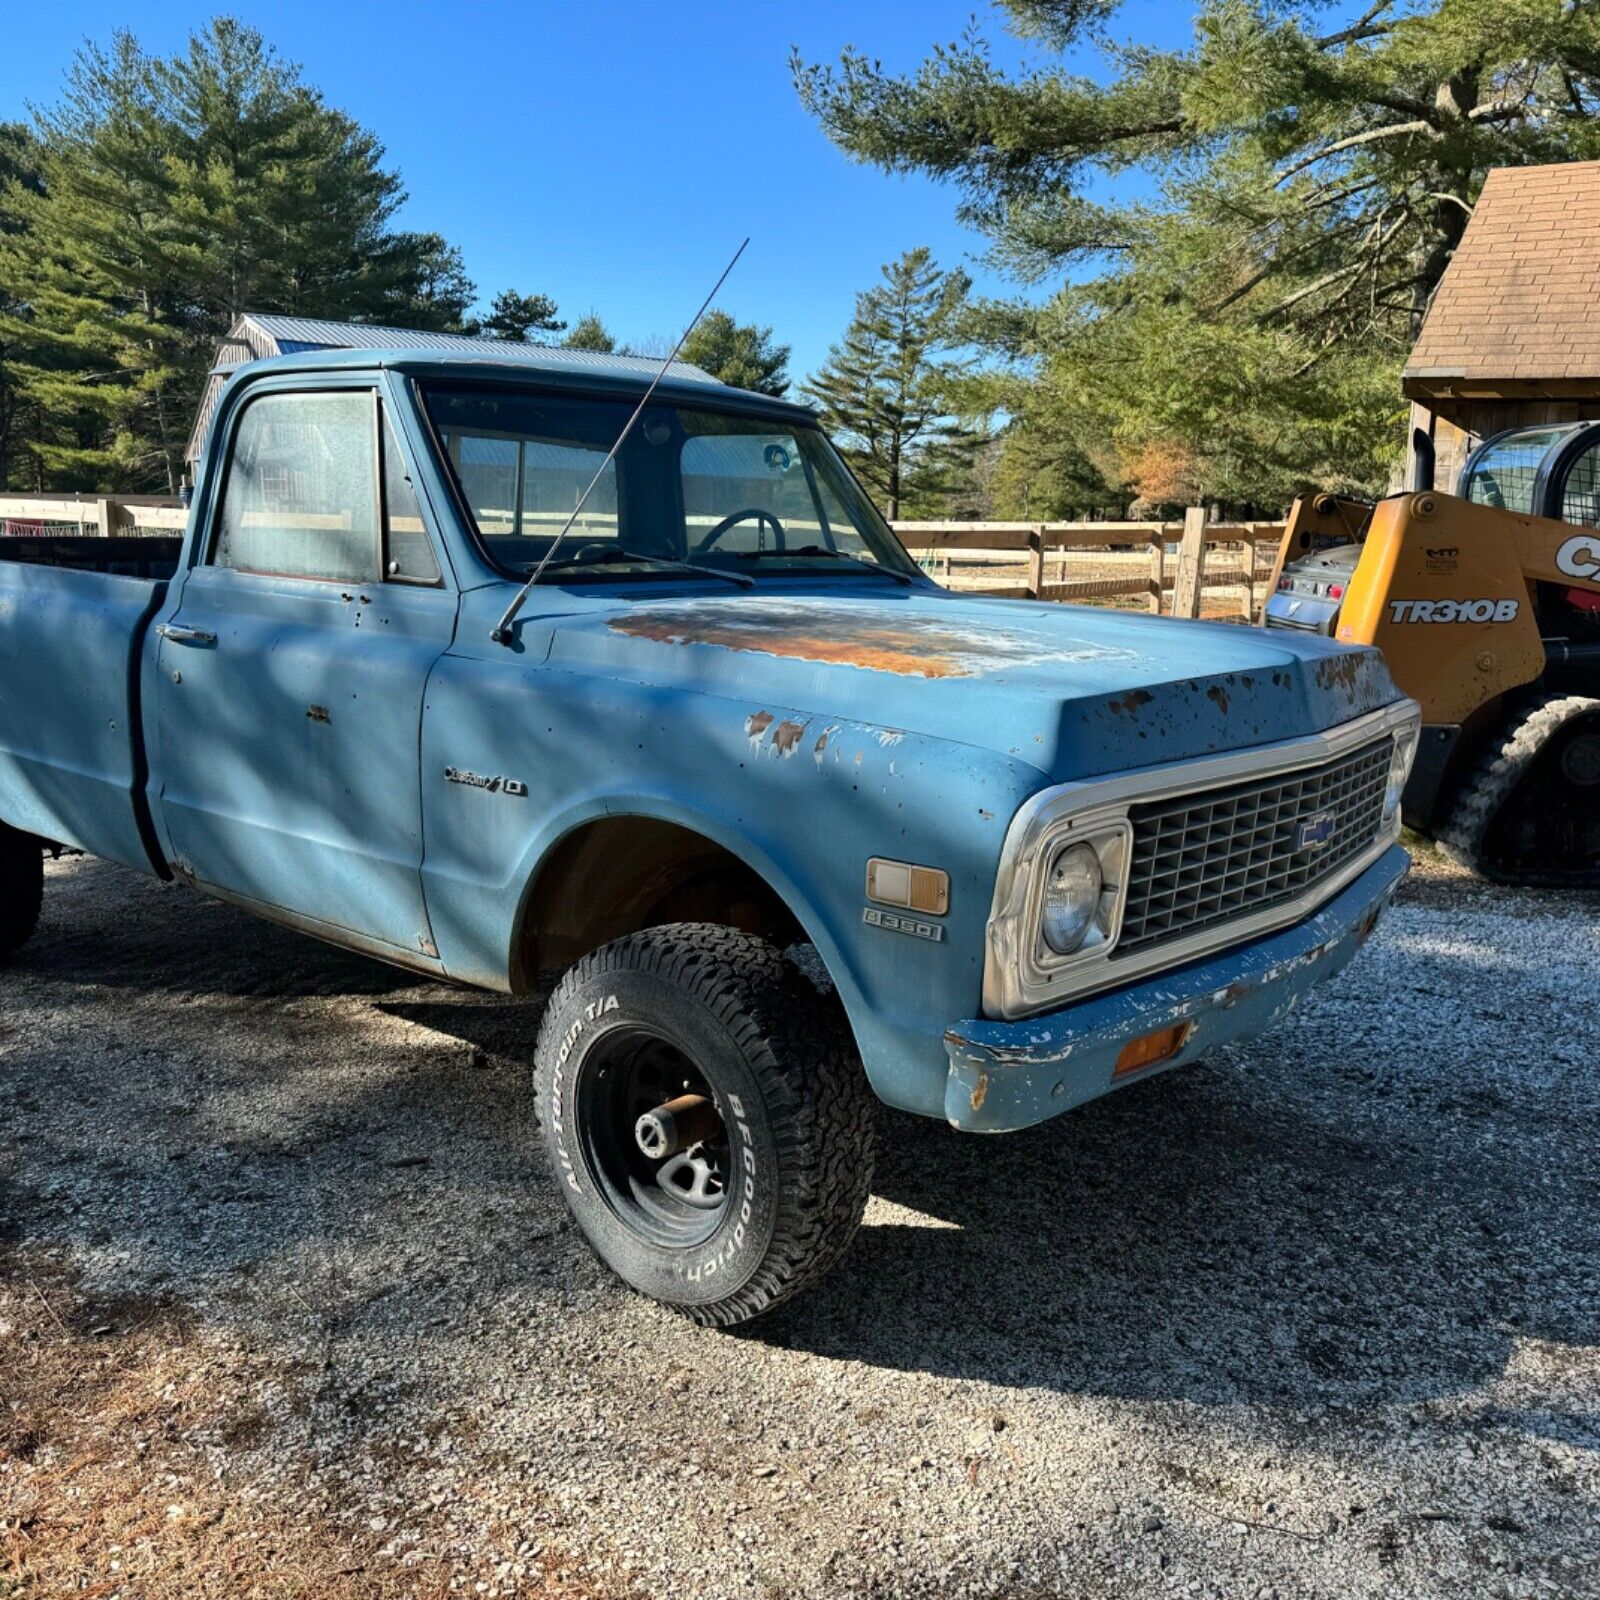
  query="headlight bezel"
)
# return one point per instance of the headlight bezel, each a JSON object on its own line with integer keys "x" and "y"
{"x": 1110, "y": 841}
{"x": 1407, "y": 741}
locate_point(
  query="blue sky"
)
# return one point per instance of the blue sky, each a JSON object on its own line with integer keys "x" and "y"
{"x": 611, "y": 153}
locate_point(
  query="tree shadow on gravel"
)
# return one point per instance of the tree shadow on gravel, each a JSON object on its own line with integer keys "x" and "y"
{"x": 1203, "y": 1237}
{"x": 1270, "y": 1228}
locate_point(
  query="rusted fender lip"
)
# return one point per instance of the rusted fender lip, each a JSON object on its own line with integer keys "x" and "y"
{"x": 1007, "y": 1075}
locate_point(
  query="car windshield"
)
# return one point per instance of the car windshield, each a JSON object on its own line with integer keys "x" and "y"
{"x": 756, "y": 495}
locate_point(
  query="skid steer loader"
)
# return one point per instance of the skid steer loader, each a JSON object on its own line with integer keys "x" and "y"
{"x": 1487, "y": 605}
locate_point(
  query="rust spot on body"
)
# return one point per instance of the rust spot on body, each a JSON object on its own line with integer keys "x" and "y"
{"x": 757, "y": 724}
{"x": 1219, "y": 697}
{"x": 1342, "y": 671}
{"x": 914, "y": 644}
{"x": 1132, "y": 703}
{"x": 980, "y": 1091}
{"x": 786, "y": 737}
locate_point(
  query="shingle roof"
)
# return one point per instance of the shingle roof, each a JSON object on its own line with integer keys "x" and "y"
{"x": 1519, "y": 303}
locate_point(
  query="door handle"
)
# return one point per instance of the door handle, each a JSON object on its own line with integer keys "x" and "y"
{"x": 185, "y": 635}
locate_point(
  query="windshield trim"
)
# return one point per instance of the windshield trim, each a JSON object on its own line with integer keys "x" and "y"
{"x": 735, "y": 403}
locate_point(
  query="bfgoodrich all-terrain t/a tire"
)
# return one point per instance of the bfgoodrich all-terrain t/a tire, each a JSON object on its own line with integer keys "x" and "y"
{"x": 21, "y": 889}
{"x": 706, "y": 1117}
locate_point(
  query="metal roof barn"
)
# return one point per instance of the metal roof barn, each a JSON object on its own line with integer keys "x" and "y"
{"x": 258, "y": 335}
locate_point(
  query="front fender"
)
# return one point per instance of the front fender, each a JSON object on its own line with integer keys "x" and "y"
{"x": 802, "y": 799}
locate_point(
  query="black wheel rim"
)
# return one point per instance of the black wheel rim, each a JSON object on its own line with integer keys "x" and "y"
{"x": 678, "y": 1200}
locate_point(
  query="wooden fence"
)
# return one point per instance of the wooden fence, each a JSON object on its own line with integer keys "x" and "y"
{"x": 1186, "y": 569}
{"x": 111, "y": 516}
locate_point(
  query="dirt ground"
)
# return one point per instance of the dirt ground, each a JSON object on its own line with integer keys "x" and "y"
{"x": 289, "y": 1307}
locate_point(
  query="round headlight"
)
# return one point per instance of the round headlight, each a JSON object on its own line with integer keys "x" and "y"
{"x": 1071, "y": 896}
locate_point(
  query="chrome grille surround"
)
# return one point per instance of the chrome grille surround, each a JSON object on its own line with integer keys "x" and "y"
{"x": 1021, "y": 978}
{"x": 1203, "y": 859}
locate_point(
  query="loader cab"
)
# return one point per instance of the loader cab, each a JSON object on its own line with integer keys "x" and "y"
{"x": 1546, "y": 470}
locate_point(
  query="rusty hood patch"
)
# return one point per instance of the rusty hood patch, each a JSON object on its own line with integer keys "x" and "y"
{"x": 910, "y": 640}
{"x": 1072, "y": 691}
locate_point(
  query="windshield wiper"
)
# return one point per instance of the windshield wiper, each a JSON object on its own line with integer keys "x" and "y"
{"x": 611, "y": 557}
{"x": 832, "y": 555}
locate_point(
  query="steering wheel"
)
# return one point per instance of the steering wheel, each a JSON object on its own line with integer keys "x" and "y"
{"x": 761, "y": 518}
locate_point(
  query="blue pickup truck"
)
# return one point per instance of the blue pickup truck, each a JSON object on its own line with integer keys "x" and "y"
{"x": 785, "y": 823}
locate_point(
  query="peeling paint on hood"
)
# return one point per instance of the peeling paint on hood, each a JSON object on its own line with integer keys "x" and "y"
{"x": 914, "y": 643}
{"x": 1074, "y": 691}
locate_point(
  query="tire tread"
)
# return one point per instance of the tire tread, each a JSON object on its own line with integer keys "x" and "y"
{"x": 816, "y": 1095}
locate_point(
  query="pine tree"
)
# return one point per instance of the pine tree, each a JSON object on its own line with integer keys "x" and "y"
{"x": 1307, "y": 177}
{"x": 171, "y": 197}
{"x": 742, "y": 354}
{"x": 590, "y": 333}
{"x": 888, "y": 389}
{"x": 19, "y": 421}
{"x": 519, "y": 316}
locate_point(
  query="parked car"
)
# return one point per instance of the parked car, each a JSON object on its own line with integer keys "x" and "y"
{"x": 788, "y": 824}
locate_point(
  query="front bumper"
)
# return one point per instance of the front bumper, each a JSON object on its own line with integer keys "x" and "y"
{"x": 1009, "y": 1075}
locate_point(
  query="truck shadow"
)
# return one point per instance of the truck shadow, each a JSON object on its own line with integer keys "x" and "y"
{"x": 1215, "y": 1236}
{"x": 1249, "y": 1231}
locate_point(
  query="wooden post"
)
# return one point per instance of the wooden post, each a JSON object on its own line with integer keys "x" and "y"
{"x": 111, "y": 517}
{"x": 1158, "y": 568}
{"x": 1190, "y": 581}
{"x": 1036, "y": 562}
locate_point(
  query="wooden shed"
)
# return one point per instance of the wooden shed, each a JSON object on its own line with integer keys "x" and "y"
{"x": 1513, "y": 334}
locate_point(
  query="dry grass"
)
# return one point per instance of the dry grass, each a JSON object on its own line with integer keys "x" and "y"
{"x": 117, "y": 1421}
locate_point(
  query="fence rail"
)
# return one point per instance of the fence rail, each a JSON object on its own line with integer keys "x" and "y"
{"x": 1189, "y": 568}
{"x": 108, "y": 515}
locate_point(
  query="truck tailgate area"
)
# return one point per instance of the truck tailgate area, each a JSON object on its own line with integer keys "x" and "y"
{"x": 71, "y": 758}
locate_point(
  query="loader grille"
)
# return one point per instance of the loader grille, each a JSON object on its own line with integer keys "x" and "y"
{"x": 1199, "y": 860}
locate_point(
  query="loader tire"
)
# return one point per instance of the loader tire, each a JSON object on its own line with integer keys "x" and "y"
{"x": 21, "y": 889}
{"x": 1479, "y": 833}
{"x": 764, "y": 1180}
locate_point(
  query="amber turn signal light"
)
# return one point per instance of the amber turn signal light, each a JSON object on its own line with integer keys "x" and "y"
{"x": 899, "y": 883}
{"x": 1150, "y": 1049}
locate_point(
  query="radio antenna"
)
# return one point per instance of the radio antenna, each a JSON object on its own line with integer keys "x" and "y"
{"x": 502, "y": 631}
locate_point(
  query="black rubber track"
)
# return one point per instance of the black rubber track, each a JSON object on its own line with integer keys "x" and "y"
{"x": 815, "y": 1099}
{"x": 1505, "y": 762}
{"x": 21, "y": 889}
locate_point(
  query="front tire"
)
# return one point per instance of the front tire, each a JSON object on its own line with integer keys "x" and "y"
{"x": 21, "y": 889}
{"x": 755, "y": 1186}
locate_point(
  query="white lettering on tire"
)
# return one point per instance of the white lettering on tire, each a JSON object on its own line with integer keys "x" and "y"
{"x": 597, "y": 1008}
{"x": 735, "y": 1242}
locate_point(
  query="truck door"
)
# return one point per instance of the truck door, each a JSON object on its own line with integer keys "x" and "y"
{"x": 291, "y": 677}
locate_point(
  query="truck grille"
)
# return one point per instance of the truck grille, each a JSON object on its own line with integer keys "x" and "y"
{"x": 1201, "y": 859}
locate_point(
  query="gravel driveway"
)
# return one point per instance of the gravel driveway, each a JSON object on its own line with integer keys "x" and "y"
{"x": 1318, "y": 1317}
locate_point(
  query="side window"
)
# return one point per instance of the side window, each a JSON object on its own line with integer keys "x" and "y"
{"x": 408, "y": 556}
{"x": 301, "y": 497}
{"x": 1580, "y": 494}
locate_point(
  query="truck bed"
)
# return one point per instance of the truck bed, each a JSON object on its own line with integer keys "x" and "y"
{"x": 130, "y": 558}
{"x": 73, "y": 617}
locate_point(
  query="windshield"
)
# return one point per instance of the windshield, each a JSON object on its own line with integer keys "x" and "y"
{"x": 745, "y": 494}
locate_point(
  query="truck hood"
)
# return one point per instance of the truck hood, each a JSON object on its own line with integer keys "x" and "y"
{"x": 1073, "y": 690}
